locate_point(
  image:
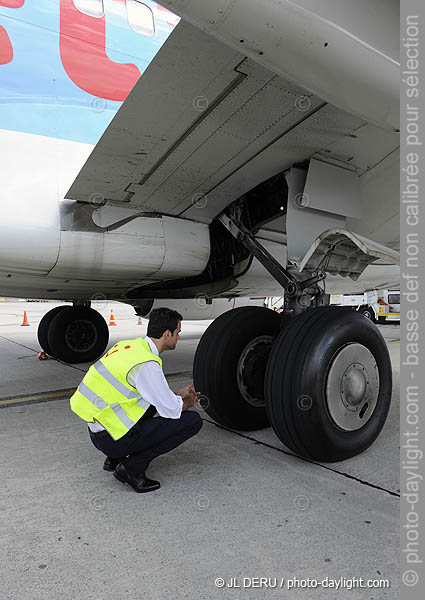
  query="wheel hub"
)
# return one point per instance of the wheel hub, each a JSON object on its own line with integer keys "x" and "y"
{"x": 352, "y": 387}
{"x": 251, "y": 369}
{"x": 81, "y": 335}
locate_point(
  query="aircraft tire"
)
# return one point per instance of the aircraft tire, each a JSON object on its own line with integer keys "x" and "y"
{"x": 328, "y": 384}
{"x": 230, "y": 363}
{"x": 77, "y": 335}
{"x": 43, "y": 328}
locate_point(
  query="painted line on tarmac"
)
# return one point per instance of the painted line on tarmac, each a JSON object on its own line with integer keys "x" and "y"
{"x": 36, "y": 398}
{"x": 64, "y": 393}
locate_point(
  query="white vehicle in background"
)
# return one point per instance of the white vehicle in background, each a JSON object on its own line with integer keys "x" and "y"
{"x": 377, "y": 305}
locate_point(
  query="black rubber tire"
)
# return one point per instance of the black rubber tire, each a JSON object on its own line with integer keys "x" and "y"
{"x": 368, "y": 313}
{"x": 216, "y": 360}
{"x": 44, "y": 325}
{"x": 93, "y": 338}
{"x": 297, "y": 370}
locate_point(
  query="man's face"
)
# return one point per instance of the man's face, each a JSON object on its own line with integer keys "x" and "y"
{"x": 173, "y": 337}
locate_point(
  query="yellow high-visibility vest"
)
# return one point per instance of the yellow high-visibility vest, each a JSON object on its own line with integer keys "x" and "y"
{"x": 105, "y": 395}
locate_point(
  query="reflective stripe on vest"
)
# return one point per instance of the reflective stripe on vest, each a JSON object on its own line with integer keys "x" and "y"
{"x": 105, "y": 395}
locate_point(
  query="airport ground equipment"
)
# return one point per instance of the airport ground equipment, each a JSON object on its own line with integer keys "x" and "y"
{"x": 379, "y": 306}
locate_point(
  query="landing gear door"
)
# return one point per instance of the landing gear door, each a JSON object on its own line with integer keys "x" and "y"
{"x": 319, "y": 199}
{"x": 341, "y": 252}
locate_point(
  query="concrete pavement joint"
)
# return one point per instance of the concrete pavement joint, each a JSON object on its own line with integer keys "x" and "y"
{"x": 312, "y": 462}
{"x": 18, "y": 343}
{"x": 36, "y": 352}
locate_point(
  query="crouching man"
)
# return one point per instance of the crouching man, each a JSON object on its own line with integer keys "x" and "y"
{"x": 120, "y": 395}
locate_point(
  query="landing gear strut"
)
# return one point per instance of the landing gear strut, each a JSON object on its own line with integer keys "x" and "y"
{"x": 73, "y": 334}
{"x": 321, "y": 375}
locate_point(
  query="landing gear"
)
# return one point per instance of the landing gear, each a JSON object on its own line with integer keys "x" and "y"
{"x": 328, "y": 384}
{"x": 73, "y": 334}
{"x": 368, "y": 313}
{"x": 44, "y": 325}
{"x": 323, "y": 380}
{"x": 326, "y": 389}
{"x": 230, "y": 363}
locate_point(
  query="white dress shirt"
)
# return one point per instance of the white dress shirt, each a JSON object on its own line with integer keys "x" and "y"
{"x": 149, "y": 380}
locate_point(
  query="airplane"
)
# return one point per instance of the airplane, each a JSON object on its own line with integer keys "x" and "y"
{"x": 156, "y": 154}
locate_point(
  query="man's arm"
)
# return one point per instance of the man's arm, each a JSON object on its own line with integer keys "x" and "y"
{"x": 150, "y": 382}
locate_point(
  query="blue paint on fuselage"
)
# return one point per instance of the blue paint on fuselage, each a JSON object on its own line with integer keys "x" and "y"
{"x": 36, "y": 94}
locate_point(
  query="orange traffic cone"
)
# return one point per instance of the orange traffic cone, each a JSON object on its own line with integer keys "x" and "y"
{"x": 139, "y": 322}
{"x": 25, "y": 321}
{"x": 111, "y": 319}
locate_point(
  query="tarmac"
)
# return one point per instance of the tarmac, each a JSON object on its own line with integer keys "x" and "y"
{"x": 232, "y": 507}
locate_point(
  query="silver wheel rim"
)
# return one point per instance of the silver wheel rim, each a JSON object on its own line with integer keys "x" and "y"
{"x": 243, "y": 386}
{"x": 352, "y": 387}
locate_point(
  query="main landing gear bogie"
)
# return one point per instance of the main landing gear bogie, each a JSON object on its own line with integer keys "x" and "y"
{"x": 73, "y": 334}
{"x": 322, "y": 379}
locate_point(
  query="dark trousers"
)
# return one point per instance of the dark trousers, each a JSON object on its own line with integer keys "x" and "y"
{"x": 147, "y": 439}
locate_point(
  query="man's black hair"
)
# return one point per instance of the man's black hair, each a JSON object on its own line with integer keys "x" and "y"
{"x": 162, "y": 319}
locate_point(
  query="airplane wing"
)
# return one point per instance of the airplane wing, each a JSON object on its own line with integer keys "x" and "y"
{"x": 205, "y": 124}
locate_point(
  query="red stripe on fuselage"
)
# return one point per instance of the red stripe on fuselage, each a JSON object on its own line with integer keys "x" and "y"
{"x": 83, "y": 54}
{"x": 12, "y": 3}
{"x": 6, "y": 50}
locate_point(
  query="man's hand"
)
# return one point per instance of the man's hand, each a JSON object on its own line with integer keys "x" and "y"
{"x": 189, "y": 396}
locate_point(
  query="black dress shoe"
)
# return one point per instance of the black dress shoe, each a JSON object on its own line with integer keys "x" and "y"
{"x": 111, "y": 464}
{"x": 138, "y": 481}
